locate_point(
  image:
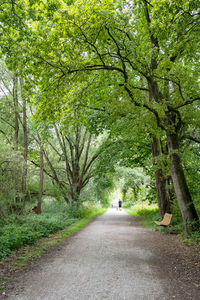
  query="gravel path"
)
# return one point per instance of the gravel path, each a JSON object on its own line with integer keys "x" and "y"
{"x": 112, "y": 258}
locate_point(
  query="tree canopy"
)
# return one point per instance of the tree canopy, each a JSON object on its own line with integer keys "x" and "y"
{"x": 128, "y": 70}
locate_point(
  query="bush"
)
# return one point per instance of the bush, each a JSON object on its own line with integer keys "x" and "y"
{"x": 146, "y": 210}
{"x": 16, "y": 231}
{"x": 11, "y": 170}
{"x": 24, "y": 230}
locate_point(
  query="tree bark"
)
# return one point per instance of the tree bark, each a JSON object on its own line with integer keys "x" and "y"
{"x": 18, "y": 206}
{"x": 189, "y": 213}
{"x": 161, "y": 180}
{"x": 62, "y": 186}
{"x": 25, "y": 133}
{"x": 124, "y": 191}
{"x": 135, "y": 193}
{"x": 98, "y": 193}
{"x": 173, "y": 123}
{"x": 75, "y": 151}
{"x": 39, "y": 206}
{"x": 15, "y": 101}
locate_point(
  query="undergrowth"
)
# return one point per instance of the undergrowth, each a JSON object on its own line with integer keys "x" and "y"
{"x": 149, "y": 213}
{"x": 25, "y": 230}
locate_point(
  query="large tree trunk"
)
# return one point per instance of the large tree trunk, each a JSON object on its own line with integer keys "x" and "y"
{"x": 61, "y": 185}
{"x": 39, "y": 206}
{"x": 15, "y": 101}
{"x": 18, "y": 207}
{"x": 25, "y": 154}
{"x": 161, "y": 180}
{"x": 75, "y": 151}
{"x": 188, "y": 211}
{"x": 173, "y": 122}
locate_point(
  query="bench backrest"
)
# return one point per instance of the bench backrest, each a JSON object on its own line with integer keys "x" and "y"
{"x": 166, "y": 219}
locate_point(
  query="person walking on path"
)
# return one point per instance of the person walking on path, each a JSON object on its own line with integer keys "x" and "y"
{"x": 120, "y": 204}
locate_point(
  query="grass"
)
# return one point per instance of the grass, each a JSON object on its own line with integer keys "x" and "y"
{"x": 41, "y": 245}
{"x": 146, "y": 214}
{"x": 6, "y": 279}
{"x": 2, "y": 287}
{"x": 193, "y": 239}
{"x": 18, "y": 231}
{"x": 19, "y": 264}
{"x": 63, "y": 234}
{"x": 19, "y": 258}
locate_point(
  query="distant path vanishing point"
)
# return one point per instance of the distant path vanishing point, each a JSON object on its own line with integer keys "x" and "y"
{"x": 112, "y": 258}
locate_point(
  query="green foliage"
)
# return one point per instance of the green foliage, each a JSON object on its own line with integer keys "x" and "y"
{"x": 25, "y": 230}
{"x": 134, "y": 184}
{"x": 194, "y": 239}
{"x": 98, "y": 191}
{"x": 191, "y": 161}
{"x": 144, "y": 210}
{"x": 88, "y": 54}
{"x": 175, "y": 210}
{"x": 11, "y": 168}
{"x": 149, "y": 214}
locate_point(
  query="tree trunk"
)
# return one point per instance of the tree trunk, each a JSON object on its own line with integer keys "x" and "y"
{"x": 124, "y": 191}
{"x": 135, "y": 192}
{"x": 61, "y": 185}
{"x": 39, "y": 206}
{"x": 98, "y": 193}
{"x": 15, "y": 101}
{"x": 173, "y": 124}
{"x": 18, "y": 206}
{"x": 161, "y": 181}
{"x": 188, "y": 211}
{"x": 25, "y": 154}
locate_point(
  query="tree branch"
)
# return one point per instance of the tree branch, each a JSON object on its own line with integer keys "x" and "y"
{"x": 189, "y": 137}
{"x": 91, "y": 107}
{"x": 187, "y": 102}
{"x": 146, "y": 106}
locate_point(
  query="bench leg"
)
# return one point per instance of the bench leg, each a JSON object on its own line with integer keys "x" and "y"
{"x": 163, "y": 228}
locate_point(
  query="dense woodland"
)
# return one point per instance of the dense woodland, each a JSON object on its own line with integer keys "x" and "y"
{"x": 99, "y": 96}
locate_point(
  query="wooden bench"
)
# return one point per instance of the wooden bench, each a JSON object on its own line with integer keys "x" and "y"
{"x": 165, "y": 221}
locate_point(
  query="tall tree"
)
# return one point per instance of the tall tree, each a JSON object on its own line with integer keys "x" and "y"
{"x": 39, "y": 205}
{"x": 161, "y": 178}
{"x": 16, "y": 110}
{"x": 25, "y": 138}
{"x": 76, "y": 150}
{"x": 136, "y": 52}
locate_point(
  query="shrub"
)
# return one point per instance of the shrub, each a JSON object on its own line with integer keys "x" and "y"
{"x": 11, "y": 170}
{"x": 26, "y": 229}
{"x": 16, "y": 231}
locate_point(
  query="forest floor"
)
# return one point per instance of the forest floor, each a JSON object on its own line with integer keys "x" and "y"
{"x": 112, "y": 258}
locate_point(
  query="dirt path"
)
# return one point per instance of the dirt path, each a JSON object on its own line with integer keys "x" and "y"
{"x": 112, "y": 258}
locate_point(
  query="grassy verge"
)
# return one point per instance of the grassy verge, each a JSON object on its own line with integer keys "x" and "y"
{"x": 80, "y": 224}
{"x": 19, "y": 258}
{"x": 145, "y": 213}
{"x": 17, "y": 231}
